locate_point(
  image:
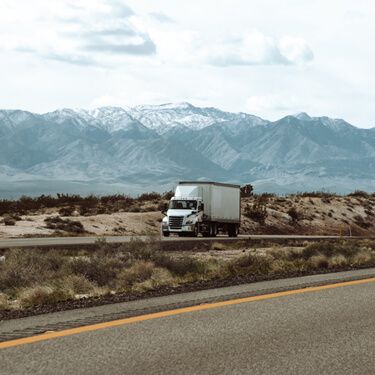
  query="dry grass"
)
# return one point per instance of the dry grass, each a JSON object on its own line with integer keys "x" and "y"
{"x": 43, "y": 295}
{"x": 4, "y": 302}
{"x": 31, "y": 277}
{"x": 218, "y": 246}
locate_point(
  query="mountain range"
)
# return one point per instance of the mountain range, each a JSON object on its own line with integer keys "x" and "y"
{"x": 143, "y": 148}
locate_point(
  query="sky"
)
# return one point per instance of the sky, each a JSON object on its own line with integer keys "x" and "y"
{"x": 269, "y": 58}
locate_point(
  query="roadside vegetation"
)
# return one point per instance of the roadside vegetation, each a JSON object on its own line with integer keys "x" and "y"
{"x": 67, "y": 204}
{"x": 32, "y": 278}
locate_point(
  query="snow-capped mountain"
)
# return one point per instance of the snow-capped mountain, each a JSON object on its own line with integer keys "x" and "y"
{"x": 151, "y": 147}
{"x": 163, "y": 117}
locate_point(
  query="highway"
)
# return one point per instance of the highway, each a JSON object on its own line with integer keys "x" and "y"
{"x": 76, "y": 241}
{"x": 323, "y": 324}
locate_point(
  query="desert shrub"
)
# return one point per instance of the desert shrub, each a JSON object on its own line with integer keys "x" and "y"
{"x": 67, "y": 225}
{"x": 250, "y": 264}
{"x": 359, "y": 193}
{"x": 138, "y": 272}
{"x": 366, "y": 256}
{"x": 318, "y": 262}
{"x": 317, "y": 194}
{"x": 162, "y": 206}
{"x": 123, "y": 203}
{"x": 96, "y": 269}
{"x": 4, "y": 303}
{"x": 218, "y": 246}
{"x": 179, "y": 266}
{"x": 314, "y": 249}
{"x": 23, "y": 268}
{"x": 168, "y": 195}
{"x": 149, "y": 196}
{"x": 85, "y": 205}
{"x": 8, "y": 220}
{"x": 43, "y": 295}
{"x": 134, "y": 208}
{"x": 134, "y": 249}
{"x": 294, "y": 214}
{"x": 66, "y": 211}
{"x": 247, "y": 191}
{"x": 76, "y": 284}
{"x": 294, "y": 255}
{"x": 362, "y": 222}
{"x": 338, "y": 261}
{"x": 346, "y": 248}
{"x": 257, "y": 212}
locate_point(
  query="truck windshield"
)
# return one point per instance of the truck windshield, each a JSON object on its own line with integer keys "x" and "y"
{"x": 183, "y": 205}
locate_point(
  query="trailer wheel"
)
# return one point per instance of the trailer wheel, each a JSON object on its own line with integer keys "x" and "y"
{"x": 233, "y": 230}
{"x": 213, "y": 230}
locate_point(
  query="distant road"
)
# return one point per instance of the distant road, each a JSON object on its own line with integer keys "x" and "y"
{"x": 76, "y": 241}
{"x": 326, "y": 329}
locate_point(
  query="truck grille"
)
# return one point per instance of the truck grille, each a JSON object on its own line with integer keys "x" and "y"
{"x": 175, "y": 222}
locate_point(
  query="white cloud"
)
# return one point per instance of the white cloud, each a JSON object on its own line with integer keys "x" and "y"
{"x": 255, "y": 48}
{"x": 295, "y": 50}
{"x": 277, "y": 104}
{"x": 82, "y": 33}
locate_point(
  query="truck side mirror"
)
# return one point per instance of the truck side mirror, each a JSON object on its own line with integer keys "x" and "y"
{"x": 201, "y": 207}
{"x": 164, "y": 209}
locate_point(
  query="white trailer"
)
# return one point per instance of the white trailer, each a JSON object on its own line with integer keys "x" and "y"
{"x": 203, "y": 207}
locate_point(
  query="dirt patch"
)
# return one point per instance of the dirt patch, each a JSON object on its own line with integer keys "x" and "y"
{"x": 120, "y": 223}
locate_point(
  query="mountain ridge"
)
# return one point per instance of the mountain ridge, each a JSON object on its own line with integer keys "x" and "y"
{"x": 155, "y": 145}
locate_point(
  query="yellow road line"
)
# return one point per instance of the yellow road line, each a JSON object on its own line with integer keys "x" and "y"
{"x": 163, "y": 314}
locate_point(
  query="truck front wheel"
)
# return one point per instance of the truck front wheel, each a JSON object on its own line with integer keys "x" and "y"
{"x": 166, "y": 234}
{"x": 196, "y": 230}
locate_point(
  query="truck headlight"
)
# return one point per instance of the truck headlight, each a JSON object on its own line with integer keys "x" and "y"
{"x": 189, "y": 222}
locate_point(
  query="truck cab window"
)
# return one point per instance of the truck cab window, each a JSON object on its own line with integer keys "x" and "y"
{"x": 183, "y": 204}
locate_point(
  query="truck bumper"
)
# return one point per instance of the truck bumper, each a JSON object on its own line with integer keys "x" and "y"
{"x": 184, "y": 229}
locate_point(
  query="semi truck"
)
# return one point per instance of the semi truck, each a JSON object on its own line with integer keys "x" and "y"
{"x": 205, "y": 208}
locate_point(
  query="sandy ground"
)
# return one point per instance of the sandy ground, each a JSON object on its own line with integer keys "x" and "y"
{"x": 321, "y": 216}
{"x": 121, "y": 223}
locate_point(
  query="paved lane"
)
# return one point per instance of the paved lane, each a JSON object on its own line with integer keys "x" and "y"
{"x": 326, "y": 331}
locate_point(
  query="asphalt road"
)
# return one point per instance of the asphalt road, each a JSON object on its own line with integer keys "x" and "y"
{"x": 326, "y": 330}
{"x": 74, "y": 241}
